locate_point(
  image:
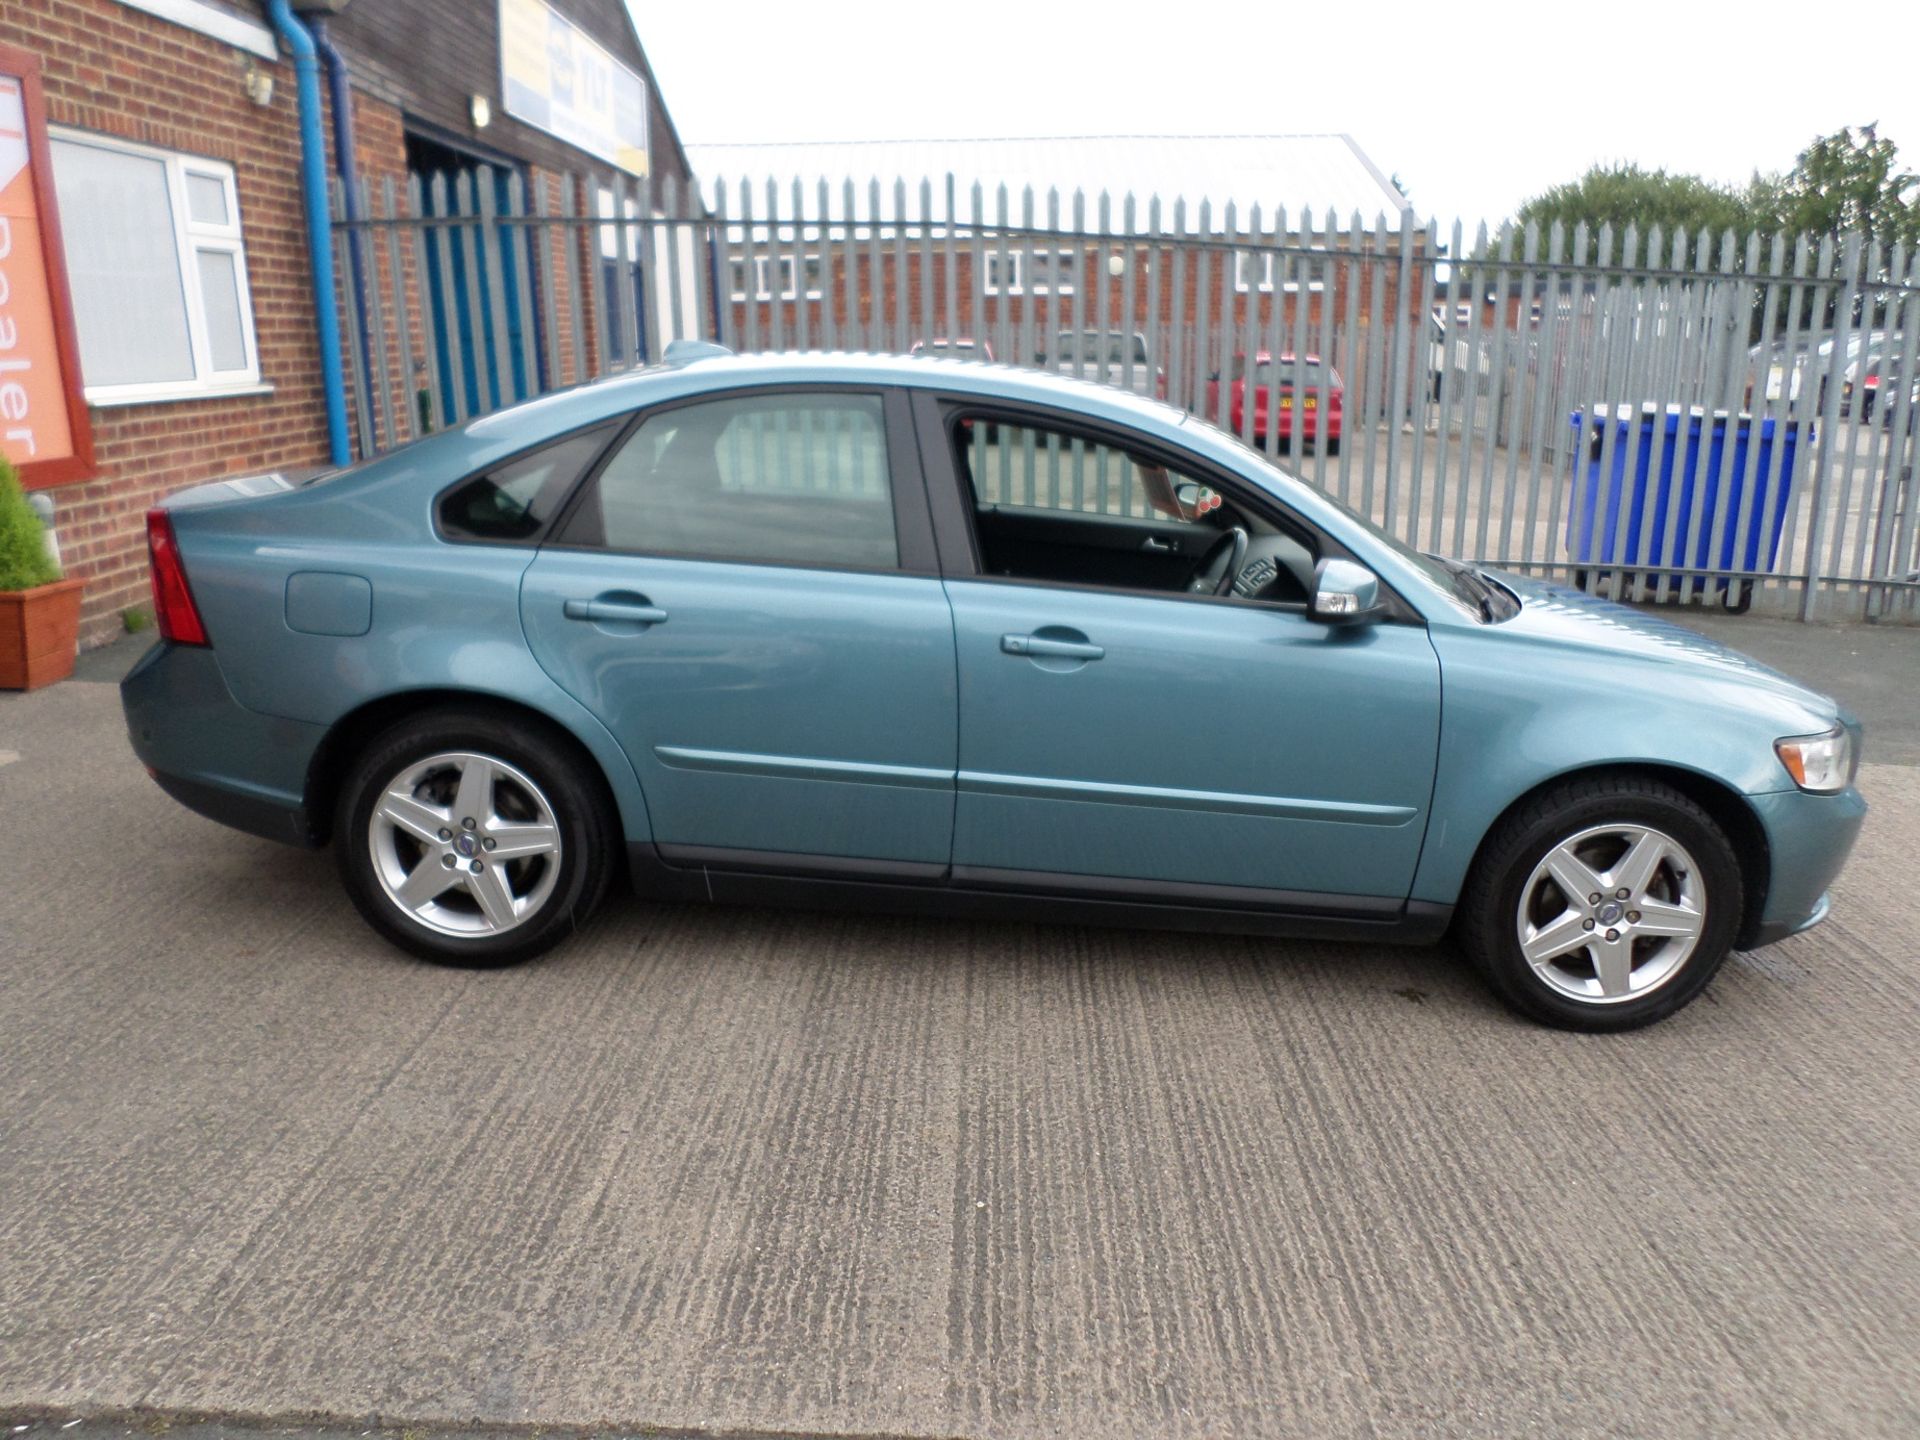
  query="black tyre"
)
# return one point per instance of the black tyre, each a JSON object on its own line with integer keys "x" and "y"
{"x": 471, "y": 838}
{"x": 1602, "y": 904}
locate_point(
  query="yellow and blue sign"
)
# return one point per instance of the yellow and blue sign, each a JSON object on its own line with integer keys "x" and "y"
{"x": 554, "y": 77}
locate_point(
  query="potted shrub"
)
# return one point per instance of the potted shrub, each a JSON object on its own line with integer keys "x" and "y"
{"x": 39, "y": 611}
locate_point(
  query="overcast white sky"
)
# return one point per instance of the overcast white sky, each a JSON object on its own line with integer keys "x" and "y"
{"x": 1474, "y": 107}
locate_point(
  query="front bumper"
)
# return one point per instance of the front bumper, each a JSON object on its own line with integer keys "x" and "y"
{"x": 1809, "y": 838}
{"x": 1767, "y": 933}
{"x": 211, "y": 753}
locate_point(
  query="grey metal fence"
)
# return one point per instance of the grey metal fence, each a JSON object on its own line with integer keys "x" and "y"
{"x": 1693, "y": 419}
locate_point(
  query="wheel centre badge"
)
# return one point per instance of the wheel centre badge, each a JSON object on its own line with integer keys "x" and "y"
{"x": 466, "y": 844}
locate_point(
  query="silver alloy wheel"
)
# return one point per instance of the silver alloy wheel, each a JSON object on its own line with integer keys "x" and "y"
{"x": 465, "y": 844}
{"x": 1612, "y": 913}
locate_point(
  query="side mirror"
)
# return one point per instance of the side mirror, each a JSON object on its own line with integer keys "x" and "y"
{"x": 1196, "y": 500}
{"x": 1345, "y": 593}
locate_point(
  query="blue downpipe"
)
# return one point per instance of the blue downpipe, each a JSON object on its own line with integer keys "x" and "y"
{"x": 313, "y": 185}
{"x": 347, "y": 166}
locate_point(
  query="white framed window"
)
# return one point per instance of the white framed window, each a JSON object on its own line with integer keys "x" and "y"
{"x": 1032, "y": 272}
{"x": 1253, "y": 270}
{"x": 767, "y": 269}
{"x": 623, "y": 221}
{"x": 158, "y": 271}
{"x": 1256, "y": 270}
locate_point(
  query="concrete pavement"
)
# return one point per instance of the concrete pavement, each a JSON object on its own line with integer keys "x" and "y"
{"x": 738, "y": 1171}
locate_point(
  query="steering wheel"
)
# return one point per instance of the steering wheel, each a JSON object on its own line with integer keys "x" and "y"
{"x": 1230, "y": 547}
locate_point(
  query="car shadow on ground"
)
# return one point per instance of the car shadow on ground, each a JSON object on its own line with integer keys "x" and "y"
{"x": 1435, "y": 977}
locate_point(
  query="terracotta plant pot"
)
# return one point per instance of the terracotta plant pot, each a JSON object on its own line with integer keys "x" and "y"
{"x": 39, "y": 629}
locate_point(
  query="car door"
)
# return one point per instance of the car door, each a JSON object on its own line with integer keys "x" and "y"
{"x": 745, "y": 593}
{"x": 1186, "y": 746}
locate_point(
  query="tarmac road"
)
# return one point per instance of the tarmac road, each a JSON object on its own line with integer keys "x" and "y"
{"x": 741, "y": 1171}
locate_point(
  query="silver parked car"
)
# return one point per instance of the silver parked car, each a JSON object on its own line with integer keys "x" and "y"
{"x": 1109, "y": 357}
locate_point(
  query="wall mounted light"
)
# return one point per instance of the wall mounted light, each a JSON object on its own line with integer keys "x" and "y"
{"x": 259, "y": 86}
{"x": 481, "y": 109}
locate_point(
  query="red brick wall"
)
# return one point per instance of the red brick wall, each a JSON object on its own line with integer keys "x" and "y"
{"x": 1099, "y": 300}
{"x": 121, "y": 72}
{"x": 850, "y": 289}
{"x": 379, "y": 140}
{"x": 117, "y": 71}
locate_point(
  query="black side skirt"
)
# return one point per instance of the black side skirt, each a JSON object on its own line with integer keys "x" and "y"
{"x": 749, "y": 877}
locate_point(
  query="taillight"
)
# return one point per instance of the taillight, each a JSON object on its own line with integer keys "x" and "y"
{"x": 173, "y": 607}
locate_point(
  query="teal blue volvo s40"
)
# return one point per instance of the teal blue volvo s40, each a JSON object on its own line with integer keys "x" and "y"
{"x": 911, "y": 633}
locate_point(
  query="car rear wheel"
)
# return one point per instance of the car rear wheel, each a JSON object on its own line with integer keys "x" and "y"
{"x": 1603, "y": 904}
{"x": 471, "y": 841}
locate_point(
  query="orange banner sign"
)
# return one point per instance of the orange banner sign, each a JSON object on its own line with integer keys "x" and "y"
{"x": 44, "y": 425}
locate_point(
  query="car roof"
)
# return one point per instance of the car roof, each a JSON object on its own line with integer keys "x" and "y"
{"x": 614, "y": 395}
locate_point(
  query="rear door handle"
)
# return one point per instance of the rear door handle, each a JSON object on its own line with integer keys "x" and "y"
{"x": 1040, "y": 647}
{"x": 616, "y": 612}
{"x": 1156, "y": 544}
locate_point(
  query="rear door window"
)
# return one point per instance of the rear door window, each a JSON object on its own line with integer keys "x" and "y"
{"x": 778, "y": 478}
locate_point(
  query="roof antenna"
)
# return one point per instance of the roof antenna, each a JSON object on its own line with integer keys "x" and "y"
{"x": 684, "y": 352}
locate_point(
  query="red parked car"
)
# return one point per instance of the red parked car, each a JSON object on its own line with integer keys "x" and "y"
{"x": 1319, "y": 398}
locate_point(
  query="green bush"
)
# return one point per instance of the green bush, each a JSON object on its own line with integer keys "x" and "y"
{"x": 24, "y": 562}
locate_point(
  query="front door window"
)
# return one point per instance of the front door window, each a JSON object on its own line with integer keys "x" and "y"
{"x": 1054, "y": 505}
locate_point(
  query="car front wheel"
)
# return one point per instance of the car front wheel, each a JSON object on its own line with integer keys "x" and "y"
{"x": 1603, "y": 904}
{"x": 469, "y": 840}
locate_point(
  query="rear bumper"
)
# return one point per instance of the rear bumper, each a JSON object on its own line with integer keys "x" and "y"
{"x": 1809, "y": 838}
{"x": 257, "y": 815}
{"x": 1325, "y": 428}
{"x": 214, "y": 755}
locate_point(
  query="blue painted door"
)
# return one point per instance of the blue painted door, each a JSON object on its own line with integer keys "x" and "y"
{"x": 1167, "y": 739}
{"x": 733, "y": 599}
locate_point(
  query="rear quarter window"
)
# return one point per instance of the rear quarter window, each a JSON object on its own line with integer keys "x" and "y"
{"x": 512, "y": 503}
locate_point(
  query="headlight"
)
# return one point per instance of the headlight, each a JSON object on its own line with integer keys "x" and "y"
{"x": 1821, "y": 763}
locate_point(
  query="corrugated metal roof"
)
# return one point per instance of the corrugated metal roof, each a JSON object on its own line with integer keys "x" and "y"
{"x": 1327, "y": 173}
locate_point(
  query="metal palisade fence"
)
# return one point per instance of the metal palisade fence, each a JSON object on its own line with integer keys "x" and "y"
{"x": 1704, "y": 419}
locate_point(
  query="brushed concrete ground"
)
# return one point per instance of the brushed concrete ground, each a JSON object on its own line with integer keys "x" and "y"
{"x": 735, "y": 1170}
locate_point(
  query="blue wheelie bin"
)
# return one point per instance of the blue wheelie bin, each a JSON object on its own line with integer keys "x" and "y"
{"x": 1665, "y": 445}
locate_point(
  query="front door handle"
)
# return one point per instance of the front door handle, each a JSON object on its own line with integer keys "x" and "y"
{"x": 616, "y": 612}
{"x": 1155, "y": 545}
{"x": 1040, "y": 647}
